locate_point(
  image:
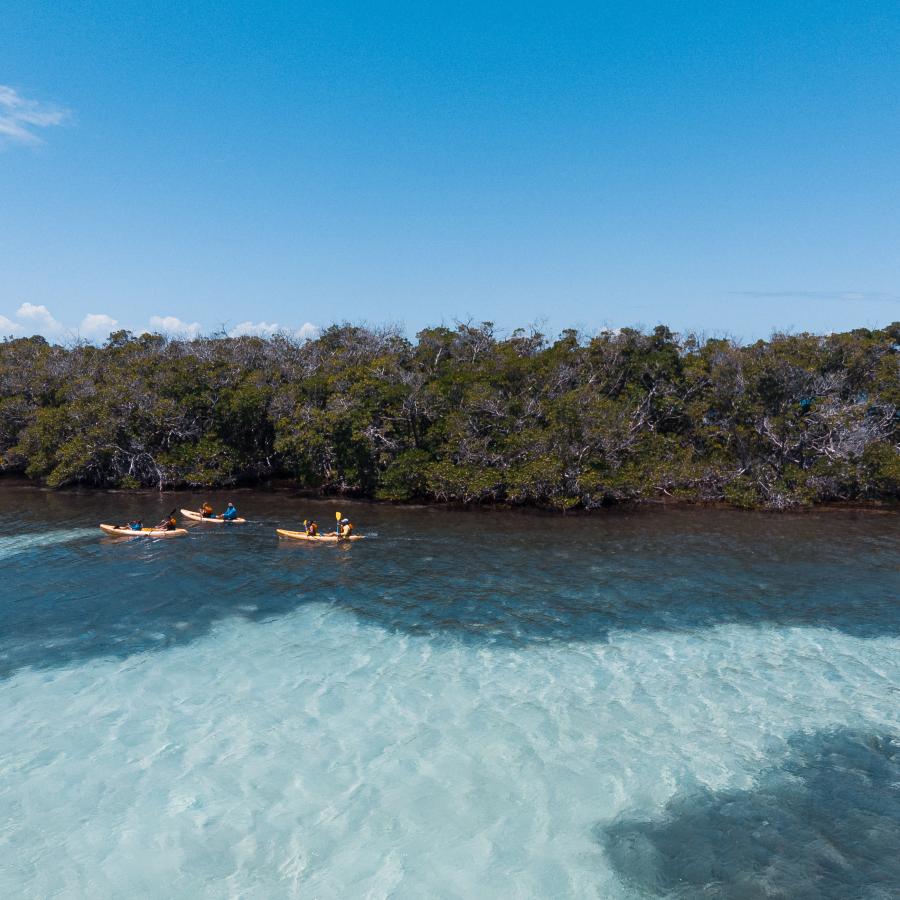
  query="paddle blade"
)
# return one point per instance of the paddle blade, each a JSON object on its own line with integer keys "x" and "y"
{"x": 337, "y": 517}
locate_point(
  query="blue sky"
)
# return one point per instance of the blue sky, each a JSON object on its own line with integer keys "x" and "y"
{"x": 722, "y": 167}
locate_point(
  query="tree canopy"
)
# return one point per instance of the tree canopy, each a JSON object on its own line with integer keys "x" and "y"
{"x": 466, "y": 416}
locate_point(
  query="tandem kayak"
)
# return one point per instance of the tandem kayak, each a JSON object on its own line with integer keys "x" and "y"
{"x": 144, "y": 532}
{"x": 216, "y": 520}
{"x": 317, "y": 538}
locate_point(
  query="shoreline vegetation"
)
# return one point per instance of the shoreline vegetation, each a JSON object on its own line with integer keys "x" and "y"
{"x": 464, "y": 416}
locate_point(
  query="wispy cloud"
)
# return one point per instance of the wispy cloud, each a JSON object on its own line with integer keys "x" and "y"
{"x": 21, "y": 118}
{"x": 174, "y": 326}
{"x": 846, "y": 296}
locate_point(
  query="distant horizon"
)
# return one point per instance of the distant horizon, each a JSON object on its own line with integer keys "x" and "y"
{"x": 59, "y": 335}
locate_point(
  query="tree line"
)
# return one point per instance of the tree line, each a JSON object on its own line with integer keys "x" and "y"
{"x": 463, "y": 415}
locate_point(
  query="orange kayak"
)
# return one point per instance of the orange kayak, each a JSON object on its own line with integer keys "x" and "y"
{"x": 317, "y": 538}
{"x": 215, "y": 520}
{"x": 144, "y": 532}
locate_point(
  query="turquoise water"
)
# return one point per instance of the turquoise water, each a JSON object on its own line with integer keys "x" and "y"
{"x": 668, "y": 703}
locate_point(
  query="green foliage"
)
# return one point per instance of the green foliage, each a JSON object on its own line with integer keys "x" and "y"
{"x": 743, "y": 492}
{"x": 209, "y": 461}
{"x": 405, "y": 476}
{"x": 464, "y": 416}
{"x": 881, "y": 466}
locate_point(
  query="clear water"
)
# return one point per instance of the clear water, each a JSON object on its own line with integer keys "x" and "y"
{"x": 675, "y": 703}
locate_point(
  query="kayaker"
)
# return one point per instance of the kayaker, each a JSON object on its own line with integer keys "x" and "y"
{"x": 170, "y": 523}
{"x": 346, "y": 528}
{"x": 312, "y": 528}
{"x": 230, "y": 513}
{"x": 207, "y": 511}
{"x": 137, "y": 525}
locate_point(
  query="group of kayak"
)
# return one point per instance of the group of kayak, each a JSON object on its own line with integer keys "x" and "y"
{"x": 169, "y": 527}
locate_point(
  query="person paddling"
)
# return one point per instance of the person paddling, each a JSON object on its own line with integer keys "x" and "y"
{"x": 207, "y": 511}
{"x": 169, "y": 523}
{"x": 311, "y": 528}
{"x": 230, "y": 513}
{"x": 343, "y": 527}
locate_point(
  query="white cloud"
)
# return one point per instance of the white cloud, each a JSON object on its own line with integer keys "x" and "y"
{"x": 7, "y": 326}
{"x": 40, "y": 317}
{"x": 267, "y": 329}
{"x": 255, "y": 329}
{"x": 174, "y": 326}
{"x": 32, "y": 318}
{"x": 20, "y": 117}
{"x": 97, "y": 325}
{"x": 850, "y": 296}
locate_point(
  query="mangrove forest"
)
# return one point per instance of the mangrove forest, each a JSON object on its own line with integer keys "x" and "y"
{"x": 464, "y": 415}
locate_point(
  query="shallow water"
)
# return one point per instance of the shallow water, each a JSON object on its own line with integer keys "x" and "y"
{"x": 667, "y": 703}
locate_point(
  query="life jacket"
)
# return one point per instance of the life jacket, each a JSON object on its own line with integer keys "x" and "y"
{"x": 312, "y": 529}
{"x": 206, "y": 511}
{"x": 347, "y": 530}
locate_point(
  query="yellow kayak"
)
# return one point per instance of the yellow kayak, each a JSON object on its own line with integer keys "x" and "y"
{"x": 215, "y": 520}
{"x": 144, "y": 532}
{"x": 316, "y": 538}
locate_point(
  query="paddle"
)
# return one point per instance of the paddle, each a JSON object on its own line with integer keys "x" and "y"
{"x": 337, "y": 527}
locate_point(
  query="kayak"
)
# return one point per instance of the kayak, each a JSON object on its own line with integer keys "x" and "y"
{"x": 144, "y": 532}
{"x": 316, "y": 538}
{"x": 216, "y": 520}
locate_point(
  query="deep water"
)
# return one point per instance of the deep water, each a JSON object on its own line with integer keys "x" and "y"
{"x": 665, "y": 703}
